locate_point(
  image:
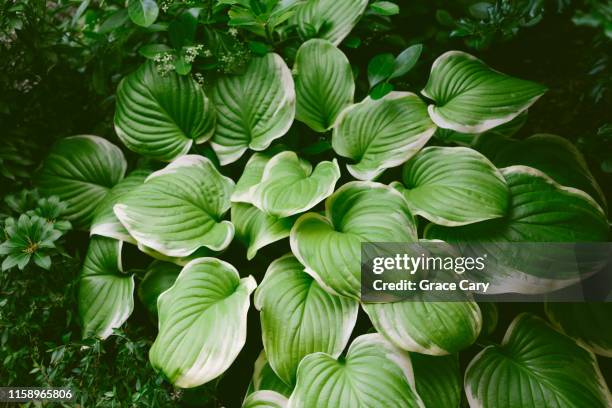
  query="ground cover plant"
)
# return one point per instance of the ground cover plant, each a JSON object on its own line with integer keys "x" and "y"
{"x": 190, "y": 232}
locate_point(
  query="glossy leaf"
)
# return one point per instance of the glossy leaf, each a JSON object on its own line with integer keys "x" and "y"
{"x": 81, "y": 170}
{"x": 160, "y": 276}
{"x": 373, "y": 374}
{"x": 331, "y": 20}
{"x": 454, "y": 186}
{"x": 330, "y": 246}
{"x": 470, "y": 97}
{"x": 254, "y": 108}
{"x": 380, "y": 68}
{"x": 179, "y": 208}
{"x": 298, "y": 317}
{"x": 202, "y": 322}
{"x": 106, "y": 297}
{"x": 324, "y": 84}
{"x": 535, "y": 367}
{"x": 104, "y": 222}
{"x": 438, "y": 380}
{"x": 142, "y": 12}
{"x": 161, "y": 116}
{"x": 380, "y": 134}
{"x": 406, "y": 60}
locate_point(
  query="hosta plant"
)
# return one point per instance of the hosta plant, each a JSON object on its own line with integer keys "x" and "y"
{"x": 230, "y": 174}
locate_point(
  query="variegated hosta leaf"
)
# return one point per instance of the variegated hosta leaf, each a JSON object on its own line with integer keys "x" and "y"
{"x": 373, "y": 374}
{"x": 555, "y": 156}
{"x": 265, "y": 399}
{"x": 332, "y": 20}
{"x": 160, "y": 276}
{"x": 588, "y": 323}
{"x": 289, "y": 186}
{"x": 534, "y": 367}
{"x": 454, "y": 186}
{"x": 427, "y": 327}
{"x": 438, "y": 380}
{"x": 161, "y": 116}
{"x": 257, "y": 229}
{"x": 298, "y": 317}
{"x": 80, "y": 170}
{"x": 330, "y": 246}
{"x": 104, "y": 222}
{"x": 179, "y": 208}
{"x": 505, "y": 130}
{"x": 470, "y": 97}
{"x": 383, "y": 133}
{"x": 254, "y": 108}
{"x": 324, "y": 84}
{"x": 177, "y": 260}
{"x": 540, "y": 210}
{"x": 106, "y": 294}
{"x": 264, "y": 378}
{"x": 202, "y": 322}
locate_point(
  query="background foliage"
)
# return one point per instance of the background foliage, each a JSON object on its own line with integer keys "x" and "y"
{"x": 62, "y": 61}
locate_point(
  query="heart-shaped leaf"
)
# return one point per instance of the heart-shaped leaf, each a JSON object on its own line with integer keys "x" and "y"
{"x": 427, "y": 327}
{"x": 265, "y": 399}
{"x": 330, "y": 246}
{"x": 470, "y": 97}
{"x": 178, "y": 209}
{"x": 383, "y": 133}
{"x": 438, "y": 380}
{"x": 106, "y": 294}
{"x": 289, "y": 186}
{"x": 588, "y": 323}
{"x": 331, "y": 20}
{"x": 161, "y": 116}
{"x": 254, "y": 108}
{"x": 454, "y": 186}
{"x": 555, "y": 156}
{"x": 160, "y": 276}
{"x": 104, "y": 222}
{"x": 81, "y": 170}
{"x": 535, "y": 366}
{"x": 202, "y": 322}
{"x": 324, "y": 84}
{"x": 373, "y": 374}
{"x": 298, "y": 317}
{"x": 142, "y": 12}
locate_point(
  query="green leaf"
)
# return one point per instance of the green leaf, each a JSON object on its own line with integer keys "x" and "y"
{"x": 179, "y": 208}
{"x": 142, "y": 12}
{"x": 406, "y": 60}
{"x": 385, "y": 8}
{"x": 332, "y": 20}
{"x": 177, "y": 260}
{"x": 160, "y": 276}
{"x": 427, "y": 327}
{"x": 150, "y": 51}
{"x": 374, "y": 374}
{"x": 202, "y": 322}
{"x": 470, "y": 97}
{"x": 265, "y": 399}
{"x": 256, "y": 229}
{"x": 106, "y": 294}
{"x": 438, "y": 380}
{"x": 264, "y": 378}
{"x": 454, "y": 186}
{"x": 104, "y": 222}
{"x": 323, "y": 82}
{"x": 161, "y": 116}
{"x": 380, "y": 134}
{"x": 182, "y": 29}
{"x": 540, "y": 210}
{"x": 555, "y": 156}
{"x": 330, "y": 246}
{"x": 535, "y": 367}
{"x": 289, "y": 186}
{"x": 80, "y": 170}
{"x": 254, "y": 108}
{"x": 381, "y": 90}
{"x": 298, "y": 317}
{"x": 380, "y": 68}
{"x": 588, "y": 323}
